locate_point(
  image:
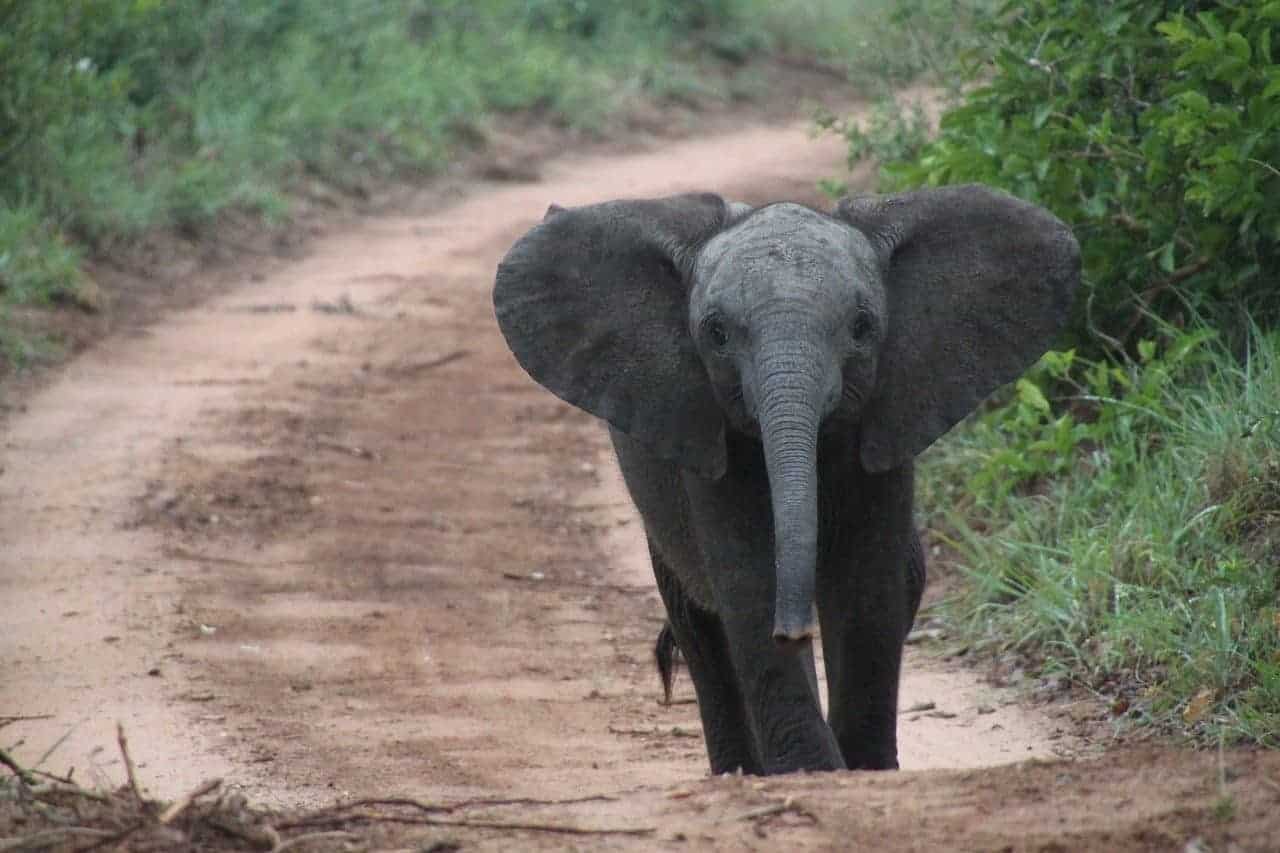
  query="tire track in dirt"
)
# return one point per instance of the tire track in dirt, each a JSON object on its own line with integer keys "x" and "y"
{"x": 322, "y": 537}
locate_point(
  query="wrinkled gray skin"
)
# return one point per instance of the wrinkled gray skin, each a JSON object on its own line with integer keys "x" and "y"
{"x": 768, "y": 376}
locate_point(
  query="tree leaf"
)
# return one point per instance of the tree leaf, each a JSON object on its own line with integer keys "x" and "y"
{"x": 1030, "y": 394}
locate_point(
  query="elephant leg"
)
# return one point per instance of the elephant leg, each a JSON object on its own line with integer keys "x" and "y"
{"x": 780, "y": 694}
{"x": 700, "y": 637}
{"x": 869, "y": 586}
{"x": 778, "y": 684}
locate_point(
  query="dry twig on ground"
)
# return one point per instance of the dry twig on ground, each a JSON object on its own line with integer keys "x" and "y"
{"x": 59, "y": 814}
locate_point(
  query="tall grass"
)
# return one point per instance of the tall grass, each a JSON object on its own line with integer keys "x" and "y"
{"x": 1129, "y": 537}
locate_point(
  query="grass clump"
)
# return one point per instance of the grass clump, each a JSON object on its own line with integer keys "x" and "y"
{"x": 1119, "y": 523}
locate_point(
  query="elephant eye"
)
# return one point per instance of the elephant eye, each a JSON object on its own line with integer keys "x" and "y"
{"x": 863, "y": 325}
{"x": 715, "y": 331}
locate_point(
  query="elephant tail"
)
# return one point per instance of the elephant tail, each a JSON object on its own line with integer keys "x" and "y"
{"x": 665, "y": 651}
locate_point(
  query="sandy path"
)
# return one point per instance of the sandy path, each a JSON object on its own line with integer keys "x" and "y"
{"x": 322, "y": 537}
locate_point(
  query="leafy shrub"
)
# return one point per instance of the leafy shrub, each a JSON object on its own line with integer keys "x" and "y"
{"x": 890, "y": 131}
{"x": 1152, "y": 128}
{"x": 1124, "y": 530}
{"x": 1102, "y": 399}
{"x": 36, "y": 264}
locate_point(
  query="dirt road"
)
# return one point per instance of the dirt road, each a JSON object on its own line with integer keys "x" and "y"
{"x": 321, "y": 536}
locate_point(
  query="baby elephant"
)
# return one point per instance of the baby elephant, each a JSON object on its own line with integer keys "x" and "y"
{"x": 768, "y": 376}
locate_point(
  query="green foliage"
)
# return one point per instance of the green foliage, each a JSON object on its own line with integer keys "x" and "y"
{"x": 1037, "y": 440}
{"x": 882, "y": 43}
{"x": 890, "y": 131}
{"x": 1152, "y": 128}
{"x": 1117, "y": 509}
{"x": 36, "y": 264}
{"x": 1120, "y": 523}
{"x": 120, "y": 115}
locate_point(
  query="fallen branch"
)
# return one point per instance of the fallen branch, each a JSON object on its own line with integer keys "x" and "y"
{"x": 57, "y": 743}
{"x": 359, "y": 452}
{"x": 789, "y": 805}
{"x": 299, "y": 840}
{"x": 178, "y": 807}
{"x": 588, "y": 585}
{"x": 263, "y": 836}
{"x": 48, "y": 837}
{"x": 330, "y": 819}
{"x": 924, "y": 635}
{"x": 765, "y": 811}
{"x": 407, "y": 370}
{"x": 128, "y": 763}
{"x": 18, "y": 770}
{"x": 113, "y": 842}
{"x": 554, "y": 828}
{"x": 61, "y": 786}
{"x": 9, "y": 719}
{"x": 439, "y": 808}
{"x": 674, "y": 731}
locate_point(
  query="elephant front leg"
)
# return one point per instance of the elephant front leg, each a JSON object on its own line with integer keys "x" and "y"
{"x": 780, "y": 695}
{"x": 868, "y": 589}
{"x": 732, "y": 518}
{"x": 701, "y": 639}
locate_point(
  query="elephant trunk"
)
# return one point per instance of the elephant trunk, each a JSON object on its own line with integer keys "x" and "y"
{"x": 789, "y": 415}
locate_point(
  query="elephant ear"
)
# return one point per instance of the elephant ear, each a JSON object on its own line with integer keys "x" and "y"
{"x": 594, "y": 305}
{"x": 977, "y": 284}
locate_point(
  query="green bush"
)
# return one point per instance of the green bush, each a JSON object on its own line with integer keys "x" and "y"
{"x": 888, "y": 131}
{"x": 1152, "y": 128}
{"x": 36, "y": 265}
{"x": 1125, "y": 530}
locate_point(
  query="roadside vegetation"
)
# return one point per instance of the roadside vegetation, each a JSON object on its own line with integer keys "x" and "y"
{"x": 1117, "y": 511}
{"x": 119, "y": 117}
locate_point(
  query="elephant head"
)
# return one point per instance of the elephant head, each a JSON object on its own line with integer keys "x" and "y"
{"x": 677, "y": 319}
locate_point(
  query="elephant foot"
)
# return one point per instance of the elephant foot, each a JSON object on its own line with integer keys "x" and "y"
{"x": 864, "y": 759}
